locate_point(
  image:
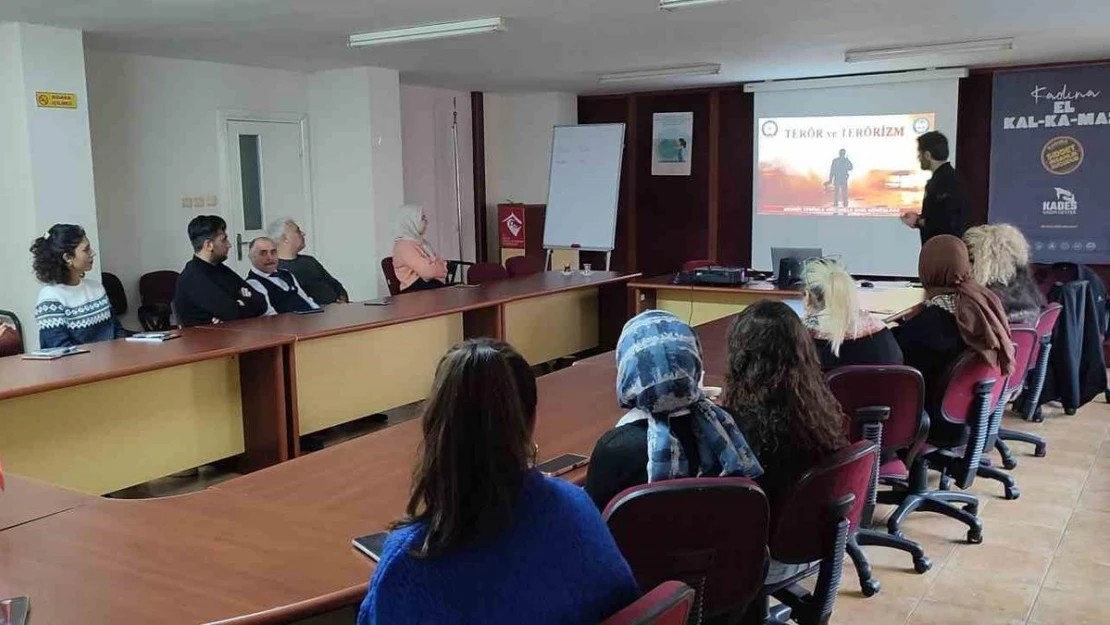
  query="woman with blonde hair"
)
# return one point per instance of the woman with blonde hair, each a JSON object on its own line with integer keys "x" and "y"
{"x": 1000, "y": 261}
{"x": 844, "y": 333}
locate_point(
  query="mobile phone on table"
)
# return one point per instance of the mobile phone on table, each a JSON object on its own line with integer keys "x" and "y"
{"x": 14, "y": 611}
{"x": 562, "y": 464}
{"x": 310, "y": 311}
{"x": 385, "y": 301}
{"x": 371, "y": 546}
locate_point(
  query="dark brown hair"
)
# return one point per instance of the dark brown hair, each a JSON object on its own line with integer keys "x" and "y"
{"x": 477, "y": 446}
{"x": 48, "y": 253}
{"x": 774, "y": 386}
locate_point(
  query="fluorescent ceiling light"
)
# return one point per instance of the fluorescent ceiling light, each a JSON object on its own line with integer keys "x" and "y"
{"x": 932, "y": 49}
{"x": 428, "y": 31}
{"x": 707, "y": 69}
{"x": 670, "y": 5}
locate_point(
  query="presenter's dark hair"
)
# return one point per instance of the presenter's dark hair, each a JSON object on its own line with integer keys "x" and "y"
{"x": 49, "y": 252}
{"x": 774, "y": 386}
{"x": 477, "y": 446}
{"x": 205, "y": 228}
{"x": 935, "y": 144}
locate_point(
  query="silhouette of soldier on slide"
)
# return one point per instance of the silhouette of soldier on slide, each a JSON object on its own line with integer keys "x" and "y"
{"x": 838, "y": 178}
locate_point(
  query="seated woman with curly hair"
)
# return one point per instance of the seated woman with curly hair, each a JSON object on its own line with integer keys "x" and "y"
{"x": 1000, "y": 261}
{"x": 71, "y": 310}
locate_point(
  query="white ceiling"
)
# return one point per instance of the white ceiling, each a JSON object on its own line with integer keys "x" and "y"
{"x": 563, "y": 44}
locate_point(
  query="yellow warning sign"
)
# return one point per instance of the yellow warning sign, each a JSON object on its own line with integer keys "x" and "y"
{"x": 51, "y": 100}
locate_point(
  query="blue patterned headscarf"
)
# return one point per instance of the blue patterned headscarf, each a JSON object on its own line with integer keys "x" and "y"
{"x": 659, "y": 373}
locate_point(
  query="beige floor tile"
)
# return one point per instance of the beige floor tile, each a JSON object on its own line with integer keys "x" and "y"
{"x": 984, "y": 595}
{"x": 1091, "y": 523}
{"x": 997, "y": 563}
{"x": 883, "y": 608}
{"x": 1075, "y": 441}
{"x": 1028, "y": 463}
{"x": 1027, "y": 509}
{"x": 944, "y": 613}
{"x": 1081, "y": 546}
{"x": 894, "y": 570}
{"x": 1075, "y": 575}
{"x": 1055, "y": 607}
{"x": 1022, "y": 536}
{"x": 1097, "y": 499}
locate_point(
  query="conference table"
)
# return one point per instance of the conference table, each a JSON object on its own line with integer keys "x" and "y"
{"x": 273, "y": 543}
{"x": 125, "y": 413}
{"x": 353, "y": 360}
{"x": 701, "y": 303}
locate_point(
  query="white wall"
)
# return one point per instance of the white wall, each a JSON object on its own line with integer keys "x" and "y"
{"x": 429, "y": 163}
{"x": 46, "y": 170}
{"x": 518, "y": 130}
{"x": 155, "y": 141}
{"x": 386, "y": 161}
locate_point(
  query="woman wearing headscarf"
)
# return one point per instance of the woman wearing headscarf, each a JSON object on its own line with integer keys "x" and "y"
{"x": 1000, "y": 261}
{"x": 415, "y": 263}
{"x": 958, "y": 314}
{"x": 671, "y": 430}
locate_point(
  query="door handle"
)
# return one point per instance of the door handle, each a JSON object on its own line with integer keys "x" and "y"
{"x": 239, "y": 243}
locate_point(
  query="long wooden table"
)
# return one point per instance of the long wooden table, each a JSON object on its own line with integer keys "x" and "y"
{"x": 354, "y": 360}
{"x": 24, "y": 500}
{"x": 698, "y": 304}
{"x": 275, "y": 541}
{"x": 126, "y": 413}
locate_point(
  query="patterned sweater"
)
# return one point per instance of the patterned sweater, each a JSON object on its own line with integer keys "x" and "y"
{"x": 75, "y": 315}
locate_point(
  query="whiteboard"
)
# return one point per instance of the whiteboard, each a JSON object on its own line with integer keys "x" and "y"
{"x": 583, "y": 187}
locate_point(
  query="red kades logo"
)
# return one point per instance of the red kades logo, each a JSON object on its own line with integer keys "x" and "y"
{"x": 511, "y": 220}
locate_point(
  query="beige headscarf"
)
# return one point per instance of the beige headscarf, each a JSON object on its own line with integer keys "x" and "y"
{"x": 409, "y": 217}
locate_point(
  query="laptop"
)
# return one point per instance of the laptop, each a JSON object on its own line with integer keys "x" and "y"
{"x": 800, "y": 253}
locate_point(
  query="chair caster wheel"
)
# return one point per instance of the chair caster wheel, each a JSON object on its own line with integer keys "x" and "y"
{"x": 1040, "y": 452}
{"x": 871, "y": 587}
{"x": 945, "y": 482}
{"x": 1070, "y": 411}
{"x": 1009, "y": 464}
{"x": 1012, "y": 493}
{"x": 922, "y": 565}
{"x": 975, "y": 537}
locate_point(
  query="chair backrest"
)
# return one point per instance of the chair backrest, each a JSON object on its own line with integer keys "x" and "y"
{"x": 668, "y": 603}
{"x": 1046, "y": 323}
{"x": 806, "y": 517}
{"x": 710, "y": 533}
{"x": 484, "y": 273}
{"x": 11, "y": 343}
{"x": 971, "y": 392}
{"x": 897, "y": 387}
{"x": 1026, "y": 345}
{"x": 391, "y": 281}
{"x": 520, "y": 266}
{"x": 691, "y": 265}
{"x": 157, "y": 287}
{"x": 117, "y": 297}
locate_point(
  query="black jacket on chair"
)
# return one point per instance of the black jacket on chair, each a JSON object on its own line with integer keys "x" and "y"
{"x": 1077, "y": 370}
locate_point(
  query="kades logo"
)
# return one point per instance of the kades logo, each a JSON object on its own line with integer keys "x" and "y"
{"x": 513, "y": 223}
{"x": 1064, "y": 204}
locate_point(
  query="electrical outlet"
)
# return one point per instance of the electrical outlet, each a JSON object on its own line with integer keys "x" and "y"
{"x": 198, "y": 201}
{"x": 212, "y": 200}
{"x": 186, "y": 202}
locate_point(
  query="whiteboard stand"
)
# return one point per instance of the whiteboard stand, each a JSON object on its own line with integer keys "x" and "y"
{"x": 547, "y": 261}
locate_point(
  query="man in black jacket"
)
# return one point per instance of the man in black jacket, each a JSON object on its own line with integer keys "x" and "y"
{"x": 945, "y": 207}
{"x": 207, "y": 290}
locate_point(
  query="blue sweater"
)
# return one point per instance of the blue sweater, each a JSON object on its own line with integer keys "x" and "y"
{"x": 75, "y": 315}
{"x": 555, "y": 564}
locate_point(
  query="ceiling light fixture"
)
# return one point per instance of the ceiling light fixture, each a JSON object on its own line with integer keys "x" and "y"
{"x": 932, "y": 49}
{"x": 428, "y": 31}
{"x": 705, "y": 69}
{"x": 670, "y": 5}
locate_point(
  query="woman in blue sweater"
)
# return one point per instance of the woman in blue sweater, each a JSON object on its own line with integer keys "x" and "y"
{"x": 487, "y": 539}
{"x": 70, "y": 310}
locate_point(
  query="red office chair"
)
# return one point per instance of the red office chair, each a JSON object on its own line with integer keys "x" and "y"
{"x": 958, "y": 432}
{"x": 520, "y": 266}
{"x": 812, "y": 523}
{"x": 710, "y": 533}
{"x": 391, "y": 281}
{"x": 882, "y": 404}
{"x": 11, "y": 341}
{"x": 691, "y": 265}
{"x": 1025, "y": 346}
{"x": 484, "y": 273}
{"x": 156, "y": 291}
{"x": 668, "y": 603}
{"x": 1046, "y": 326}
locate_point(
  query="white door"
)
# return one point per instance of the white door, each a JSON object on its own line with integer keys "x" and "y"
{"x": 269, "y": 180}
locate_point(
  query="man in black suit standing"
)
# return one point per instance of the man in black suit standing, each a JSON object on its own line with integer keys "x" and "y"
{"x": 945, "y": 207}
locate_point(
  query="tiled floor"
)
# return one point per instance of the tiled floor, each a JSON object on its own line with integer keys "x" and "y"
{"x": 1045, "y": 558}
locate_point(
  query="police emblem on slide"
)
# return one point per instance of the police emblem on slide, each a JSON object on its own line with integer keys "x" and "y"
{"x": 769, "y": 128}
{"x": 921, "y": 125}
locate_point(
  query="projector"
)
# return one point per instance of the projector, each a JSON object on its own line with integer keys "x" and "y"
{"x": 725, "y": 276}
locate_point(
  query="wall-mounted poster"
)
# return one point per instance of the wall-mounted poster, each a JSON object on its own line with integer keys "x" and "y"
{"x": 1050, "y": 153}
{"x": 672, "y": 138}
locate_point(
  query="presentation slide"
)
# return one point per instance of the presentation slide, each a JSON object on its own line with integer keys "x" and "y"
{"x": 852, "y": 166}
{"x": 835, "y": 165}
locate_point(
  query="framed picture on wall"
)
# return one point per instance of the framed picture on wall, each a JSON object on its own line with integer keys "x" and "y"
{"x": 672, "y": 138}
